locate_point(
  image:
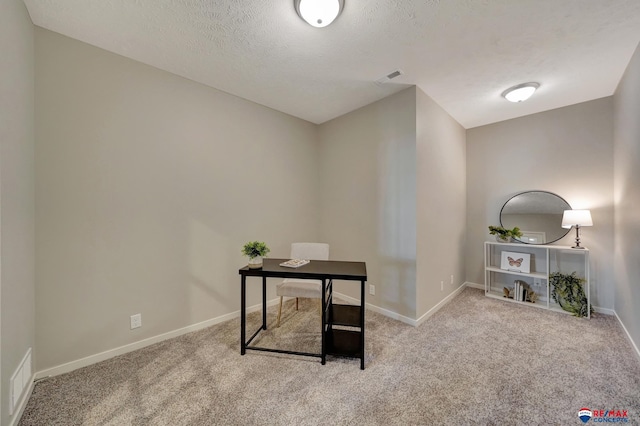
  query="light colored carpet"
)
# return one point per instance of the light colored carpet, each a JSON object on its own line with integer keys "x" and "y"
{"x": 476, "y": 361}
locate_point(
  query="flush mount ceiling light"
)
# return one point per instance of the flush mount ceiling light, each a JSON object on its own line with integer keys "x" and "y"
{"x": 521, "y": 92}
{"x": 319, "y": 13}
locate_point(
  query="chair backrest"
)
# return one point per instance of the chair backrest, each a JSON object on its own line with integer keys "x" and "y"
{"x": 310, "y": 251}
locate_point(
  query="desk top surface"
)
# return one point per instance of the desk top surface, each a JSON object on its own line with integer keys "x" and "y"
{"x": 316, "y": 269}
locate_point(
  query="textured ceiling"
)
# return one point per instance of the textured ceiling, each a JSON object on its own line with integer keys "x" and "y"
{"x": 462, "y": 53}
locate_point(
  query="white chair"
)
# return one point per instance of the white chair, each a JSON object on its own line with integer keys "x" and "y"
{"x": 293, "y": 287}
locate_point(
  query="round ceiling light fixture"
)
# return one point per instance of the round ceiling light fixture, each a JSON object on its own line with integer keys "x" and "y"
{"x": 521, "y": 92}
{"x": 319, "y": 13}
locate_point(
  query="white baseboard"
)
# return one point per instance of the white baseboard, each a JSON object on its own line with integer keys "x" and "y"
{"x": 374, "y": 308}
{"x": 402, "y": 318}
{"x": 604, "y": 311}
{"x": 102, "y": 356}
{"x": 474, "y": 285}
{"x": 17, "y": 414}
{"x": 633, "y": 344}
{"x": 439, "y": 306}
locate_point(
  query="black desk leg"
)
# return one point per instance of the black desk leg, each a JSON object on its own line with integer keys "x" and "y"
{"x": 362, "y": 325}
{"x": 264, "y": 303}
{"x": 324, "y": 321}
{"x": 243, "y": 314}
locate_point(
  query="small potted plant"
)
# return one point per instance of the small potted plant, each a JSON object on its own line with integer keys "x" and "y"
{"x": 505, "y": 235}
{"x": 255, "y": 251}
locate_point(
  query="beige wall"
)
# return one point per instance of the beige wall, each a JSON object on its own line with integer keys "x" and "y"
{"x": 368, "y": 196}
{"x": 568, "y": 151}
{"x": 393, "y": 173}
{"x": 148, "y": 185}
{"x": 627, "y": 198}
{"x": 17, "y": 282}
{"x": 441, "y": 203}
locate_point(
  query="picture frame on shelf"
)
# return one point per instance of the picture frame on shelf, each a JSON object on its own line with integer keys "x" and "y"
{"x": 516, "y": 262}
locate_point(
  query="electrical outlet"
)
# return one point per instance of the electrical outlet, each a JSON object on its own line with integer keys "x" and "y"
{"x": 372, "y": 289}
{"x": 451, "y": 278}
{"x": 136, "y": 321}
{"x": 441, "y": 285}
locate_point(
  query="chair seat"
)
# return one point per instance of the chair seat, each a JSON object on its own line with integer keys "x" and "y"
{"x": 302, "y": 288}
{"x": 292, "y": 287}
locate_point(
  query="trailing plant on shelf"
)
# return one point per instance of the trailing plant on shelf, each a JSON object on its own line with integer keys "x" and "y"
{"x": 503, "y": 234}
{"x": 255, "y": 251}
{"x": 567, "y": 291}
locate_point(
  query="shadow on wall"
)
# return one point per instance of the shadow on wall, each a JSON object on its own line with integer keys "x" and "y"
{"x": 209, "y": 263}
{"x": 397, "y": 223}
{"x": 599, "y": 240}
{"x": 397, "y": 289}
{"x": 397, "y": 193}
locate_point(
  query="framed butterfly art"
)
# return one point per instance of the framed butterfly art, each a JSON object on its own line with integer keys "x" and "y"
{"x": 517, "y": 262}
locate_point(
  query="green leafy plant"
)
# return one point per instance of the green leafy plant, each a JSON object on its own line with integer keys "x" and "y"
{"x": 505, "y": 233}
{"x": 255, "y": 248}
{"x": 567, "y": 291}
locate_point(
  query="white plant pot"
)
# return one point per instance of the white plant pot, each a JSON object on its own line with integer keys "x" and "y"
{"x": 255, "y": 262}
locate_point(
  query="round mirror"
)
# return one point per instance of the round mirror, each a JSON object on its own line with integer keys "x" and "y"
{"x": 538, "y": 214}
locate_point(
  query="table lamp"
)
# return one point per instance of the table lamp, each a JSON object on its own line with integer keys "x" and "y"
{"x": 577, "y": 218}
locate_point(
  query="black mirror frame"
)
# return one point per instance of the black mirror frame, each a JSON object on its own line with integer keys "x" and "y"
{"x": 526, "y": 192}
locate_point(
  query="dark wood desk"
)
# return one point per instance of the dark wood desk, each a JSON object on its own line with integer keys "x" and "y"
{"x": 335, "y": 341}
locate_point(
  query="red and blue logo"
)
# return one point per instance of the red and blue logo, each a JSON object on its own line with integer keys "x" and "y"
{"x": 603, "y": 416}
{"x": 585, "y": 414}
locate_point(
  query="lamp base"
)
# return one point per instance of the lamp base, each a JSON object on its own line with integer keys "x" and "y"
{"x": 577, "y": 246}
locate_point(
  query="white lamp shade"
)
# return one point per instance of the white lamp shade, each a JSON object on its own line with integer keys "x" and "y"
{"x": 318, "y": 13}
{"x": 576, "y": 217}
{"x": 521, "y": 92}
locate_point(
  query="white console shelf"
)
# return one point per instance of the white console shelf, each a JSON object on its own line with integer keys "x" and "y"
{"x": 544, "y": 260}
